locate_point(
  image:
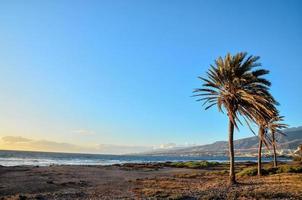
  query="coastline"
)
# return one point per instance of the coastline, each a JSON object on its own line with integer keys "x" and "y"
{"x": 16, "y": 158}
{"x": 144, "y": 181}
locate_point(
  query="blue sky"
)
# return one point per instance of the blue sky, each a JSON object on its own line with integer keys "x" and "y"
{"x": 122, "y": 72}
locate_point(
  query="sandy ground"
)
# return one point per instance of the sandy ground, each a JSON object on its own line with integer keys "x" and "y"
{"x": 140, "y": 182}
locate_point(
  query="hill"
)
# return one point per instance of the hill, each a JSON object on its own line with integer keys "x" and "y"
{"x": 243, "y": 147}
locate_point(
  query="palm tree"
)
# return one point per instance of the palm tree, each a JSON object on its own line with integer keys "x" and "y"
{"x": 263, "y": 138}
{"x": 263, "y": 121}
{"x": 268, "y": 124}
{"x": 234, "y": 85}
{"x": 275, "y": 126}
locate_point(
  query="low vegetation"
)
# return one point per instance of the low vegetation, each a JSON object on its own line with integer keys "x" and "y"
{"x": 194, "y": 164}
{"x": 252, "y": 171}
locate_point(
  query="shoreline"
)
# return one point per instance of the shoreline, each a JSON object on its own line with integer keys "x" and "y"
{"x": 145, "y": 162}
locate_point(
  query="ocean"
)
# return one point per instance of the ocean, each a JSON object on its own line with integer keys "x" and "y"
{"x": 18, "y": 158}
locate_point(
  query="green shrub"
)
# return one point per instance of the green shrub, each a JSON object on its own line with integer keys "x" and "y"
{"x": 194, "y": 164}
{"x": 270, "y": 170}
{"x": 251, "y": 171}
{"x": 289, "y": 169}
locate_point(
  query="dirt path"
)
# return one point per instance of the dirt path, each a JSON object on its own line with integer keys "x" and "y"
{"x": 75, "y": 182}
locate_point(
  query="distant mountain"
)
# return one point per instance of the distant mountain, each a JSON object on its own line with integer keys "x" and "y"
{"x": 243, "y": 147}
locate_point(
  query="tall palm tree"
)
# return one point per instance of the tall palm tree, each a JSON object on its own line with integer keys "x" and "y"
{"x": 234, "y": 85}
{"x": 275, "y": 126}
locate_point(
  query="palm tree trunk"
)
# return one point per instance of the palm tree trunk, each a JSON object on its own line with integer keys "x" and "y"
{"x": 231, "y": 153}
{"x": 275, "y": 154}
{"x": 260, "y": 135}
{"x": 259, "y": 157}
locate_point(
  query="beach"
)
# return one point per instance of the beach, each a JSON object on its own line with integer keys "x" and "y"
{"x": 143, "y": 181}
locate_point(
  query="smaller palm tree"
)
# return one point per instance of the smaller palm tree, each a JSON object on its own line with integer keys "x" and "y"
{"x": 262, "y": 136}
{"x": 262, "y": 122}
{"x": 274, "y": 127}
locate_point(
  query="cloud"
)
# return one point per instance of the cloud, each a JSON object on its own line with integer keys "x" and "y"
{"x": 83, "y": 132}
{"x": 15, "y": 140}
{"x": 122, "y": 149}
{"x": 21, "y": 143}
{"x": 171, "y": 145}
{"x": 167, "y": 146}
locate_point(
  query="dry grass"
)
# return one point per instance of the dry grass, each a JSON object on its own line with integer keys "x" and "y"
{"x": 215, "y": 186}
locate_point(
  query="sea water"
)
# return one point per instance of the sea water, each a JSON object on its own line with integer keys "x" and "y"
{"x": 18, "y": 158}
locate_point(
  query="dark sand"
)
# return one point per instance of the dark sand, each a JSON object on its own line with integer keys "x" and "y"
{"x": 141, "y": 182}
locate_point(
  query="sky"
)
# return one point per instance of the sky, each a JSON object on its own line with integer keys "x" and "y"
{"x": 117, "y": 76}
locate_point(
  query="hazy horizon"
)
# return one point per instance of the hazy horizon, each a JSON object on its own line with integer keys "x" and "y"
{"x": 118, "y": 77}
